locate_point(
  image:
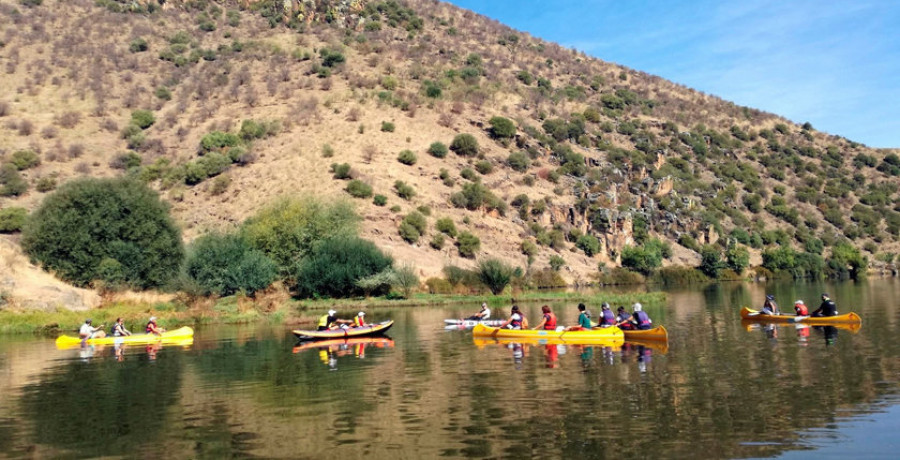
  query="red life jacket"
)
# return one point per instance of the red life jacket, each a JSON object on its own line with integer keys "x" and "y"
{"x": 549, "y": 321}
{"x": 801, "y": 310}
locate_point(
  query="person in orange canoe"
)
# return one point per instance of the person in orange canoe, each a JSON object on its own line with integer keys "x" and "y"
{"x": 800, "y": 308}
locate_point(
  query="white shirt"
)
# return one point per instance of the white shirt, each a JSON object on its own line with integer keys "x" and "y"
{"x": 486, "y": 313}
{"x": 86, "y": 330}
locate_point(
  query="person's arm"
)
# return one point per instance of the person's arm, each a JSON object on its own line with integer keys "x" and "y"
{"x": 541, "y": 324}
{"x": 506, "y": 323}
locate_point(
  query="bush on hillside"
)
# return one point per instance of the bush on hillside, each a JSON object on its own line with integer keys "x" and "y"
{"x": 25, "y": 159}
{"x": 407, "y": 157}
{"x": 556, "y": 262}
{"x": 341, "y": 170}
{"x": 359, "y": 189}
{"x": 404, "y": 190}
{"x": 437, "y": 150}
{"x": 737, "y": 258}
{"x": 287, "y": 230}
{"x": 710, "y": 261}
{"x": 446, "y": 226}
{"x": 589, "y": 244}
{"x": 334, "y": 266}
{"x": 218, "y": 140}
{"x": 502, "y": 128}
{"x": 143, "y": 118}
{"x": 468, "y": 245}
{"x": 11, "y": 182}
{"x": 226, "y": 264}
{"x": 464, "y": 145}
{"x": 412, "y": 227}
{"x": 88, "y": 220}
{"x": 646, "y": 258}
{"x": 847, "y": 261}
{"x": 12, "y": 219}
{"x": 495, "y": 274}
{"x": 518, "y": 161}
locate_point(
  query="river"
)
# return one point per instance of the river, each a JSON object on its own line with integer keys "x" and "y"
{"x": 718, "y": 390}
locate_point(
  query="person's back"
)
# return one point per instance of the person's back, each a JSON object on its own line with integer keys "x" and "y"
{"x": 641, "y": 318}
{"x": 827, "y": 308}
{"x": 769, "y": 307}
{"x": 326, "y": 320}
{"x": 584, "y": 321}
{"x": 607, "y": 317}
{"x": 800, "y": 308}
{"x": 360, "y": 321}
{"x": 623, "y": 319}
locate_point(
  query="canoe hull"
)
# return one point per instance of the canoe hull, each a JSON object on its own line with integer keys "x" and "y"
{"x": 657, "y": 333}
{"x": 604, "y": 334}
{"x": 378, "y": 342}
{"x": 466, "y": 323}
{"x": 174, "y": 336}
{"x": 847, "y": 318}
{"x": 374, "y": 329}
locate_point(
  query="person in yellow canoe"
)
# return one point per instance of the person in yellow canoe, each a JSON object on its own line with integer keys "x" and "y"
{"x": 516, "y": 319}
{"x": 153, "y": 328}
{"x": 118, "y": 329}
{"x": 623, "y": 319}
{"x": 548, "y": 320}
{"x": 360, "y": 319}
{"x": 330, "y": 321}
{"x": 641, "y": 320}
{"x": 88, "y": 331}
{"x": 584, "y": 320}
{"x": 770, "y": 307}
{"x": 827, "y": 308}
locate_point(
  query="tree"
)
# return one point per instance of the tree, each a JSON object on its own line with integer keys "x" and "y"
{"x": 641, "y": 259}
{"x": 223, "y": 264}
{"x": 88, "y": 220}
{"x": 589, "y": 244}
{"x": 335, "y": 265}
{"x": 710, "y": 261}
{"x": 495, "y": 275}
{"x": 405, "y": 279}
{"x": 737, "y": 258}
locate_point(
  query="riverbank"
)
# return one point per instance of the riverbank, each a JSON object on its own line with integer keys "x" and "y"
{"x": 239, "y": 309}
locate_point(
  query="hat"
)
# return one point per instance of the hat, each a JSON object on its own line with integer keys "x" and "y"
{"x": 331, "y": 312}
{"x": 637, "y": 306}
{"x": 824, "y": 296}
{"x": 362, "y": 313}
{"x": 770, "y": 296}
{"x": 799, "y": 302}
{"x": 483, "y": 304}
{"x": 604, "y": 306}
{"x": 152, "y": 319}
{"x": 87, "y": 321}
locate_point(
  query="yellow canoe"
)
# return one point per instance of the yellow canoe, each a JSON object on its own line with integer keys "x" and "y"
{"x": 656, "y": 333}
{"x": 177, "y": 336}
{"x": 851, "y": 327}
{"x": 847, "y": 318}
{"x": 599, "y": 336}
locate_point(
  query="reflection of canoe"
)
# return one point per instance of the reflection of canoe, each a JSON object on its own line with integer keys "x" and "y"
{"x": 372, "y": 329}
{"x": 753, "y": 315}
{"x": 661, "y": 346}
{"x": 464, "y": 323}
{"x": 657, "y": 333}
{"x": 614, "y": 342}
{"x": 174, "y": 336}
{"x": 851, "y": 327}
{"x": 605, "y": 334}
{"x": 379, "y": 342}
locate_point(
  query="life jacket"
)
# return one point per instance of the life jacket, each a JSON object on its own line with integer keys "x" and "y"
{"x": 801, "y": 310}
{"x": 324, "y": 320}
{"x": 607, "y": 318}
{"x": 515, "y": 321}
{"x": 550, "y": 321}
{"x": 115, "y": 331}
{"x": 358, "y": 322}
{"x": 149, "y": 329}
{"x": 642, "y": 319}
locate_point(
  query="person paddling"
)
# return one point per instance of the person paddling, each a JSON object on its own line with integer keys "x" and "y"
{"x": 800, "y": 308}
{"x": 770, "y": 307}
{"x": 607, "y": 317}
{"x": 88, "y": 331}
{"x": 548, "y": 320}
{"x": 360, "y": 320}
{"x": 118, "y": 329}
{"x": 330, "y": 321}
{"x": 516, "y": 319}
{"x": 623, "y": 319}
{"x": 584, "y": 320}
{"x": 827, "y": 308}
{"x": 153, "y": 328}
{"x": 642, "y": 320}
{"x": 482, "y": 315}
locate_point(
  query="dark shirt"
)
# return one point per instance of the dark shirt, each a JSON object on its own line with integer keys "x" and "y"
{"x": 828, "y": 308}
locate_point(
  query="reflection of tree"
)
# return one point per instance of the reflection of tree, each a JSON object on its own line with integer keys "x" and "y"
{"x": 103, "y": 407}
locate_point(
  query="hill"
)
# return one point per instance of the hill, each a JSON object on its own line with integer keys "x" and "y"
{"x": 541, "y": 152}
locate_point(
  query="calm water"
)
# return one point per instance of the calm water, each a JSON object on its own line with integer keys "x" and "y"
{"x": 718, "y": 391}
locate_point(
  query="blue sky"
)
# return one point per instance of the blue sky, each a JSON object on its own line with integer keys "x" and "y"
{"x": 834, "y": 63}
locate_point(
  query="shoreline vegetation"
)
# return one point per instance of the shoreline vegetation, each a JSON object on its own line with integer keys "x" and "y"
{"x": 243, "y": 310}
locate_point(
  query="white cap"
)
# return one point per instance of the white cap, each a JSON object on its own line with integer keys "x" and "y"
{"x": 152, "y": 319}
{"x": 483, "y": 304}
{"x": 362, "y": 313}
{"x": 637, "y": 306}
{"x": 798, "y": 302}
{"x": 331, "y": 312}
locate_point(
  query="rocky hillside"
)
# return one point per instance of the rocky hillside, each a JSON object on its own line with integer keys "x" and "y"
{"x": 539, "y": 151}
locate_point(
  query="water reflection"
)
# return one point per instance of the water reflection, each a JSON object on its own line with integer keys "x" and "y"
{"x": 330, "y": 350}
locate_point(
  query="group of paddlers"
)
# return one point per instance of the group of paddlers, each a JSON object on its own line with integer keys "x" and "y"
{"x": 827, "y": 307}
{"x": 331, "y": 321}
{"x": 637, "y": 319}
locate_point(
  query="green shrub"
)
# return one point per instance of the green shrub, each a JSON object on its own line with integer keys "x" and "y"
{"x": 413, "y": 226}
{"x": 11, "y": 182}
{"x": 556, "y": 262}
{"x": 404, "y": 190}
{"x": 341, "y": 170}
{"x": 208, "y": 166}
{"x": 45, "y": 184}
{"x": 737, "y": 258}
{"x": 12, "y": 219}
{"x": 502, "y": 128}
{"x": 437, "y": 241}
{"x": 495, "y": 274}
{"x": 143, "y": 118}
{"x": 710, "y": 261}
{"x": 218, "y": 140}
{"x": 407, "y": 157}
{"x": 464, "y": 145}
{"x": 675, "y": 276}
{"x": 643, "y": 259}
{"x": 469, "y": 174}
{"x": 446, "y": 226}
{"x": 589, "y": 244}
{"x": 359, "y": 189}
{"x": 518, "y": 161}
{"x": 25, "y": 159}
{"x": 287, "y": 230}
{"x": 335, "y": 265}
{"x": 437, "y": 150}
{"x": 138, "y": 45}
{"x": 619, "y": 276}
{"x": 474, "y": 196}
{"x": 846, "y": 261}
{"x": 253, "y": 129}
{"x": 387, "y": 127}
{"x": 88, "y": 220}
{"x": 379, "y": 200}
{"x": 126, "y": 161}
{"x": 225, "y": 264}
{"x": 163, "y": 93}
{"x": 529, "y": 248}
{"x": 331, "y": 58}
{"x": 484, "y": 167}
{"x": 468, "y": 244}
